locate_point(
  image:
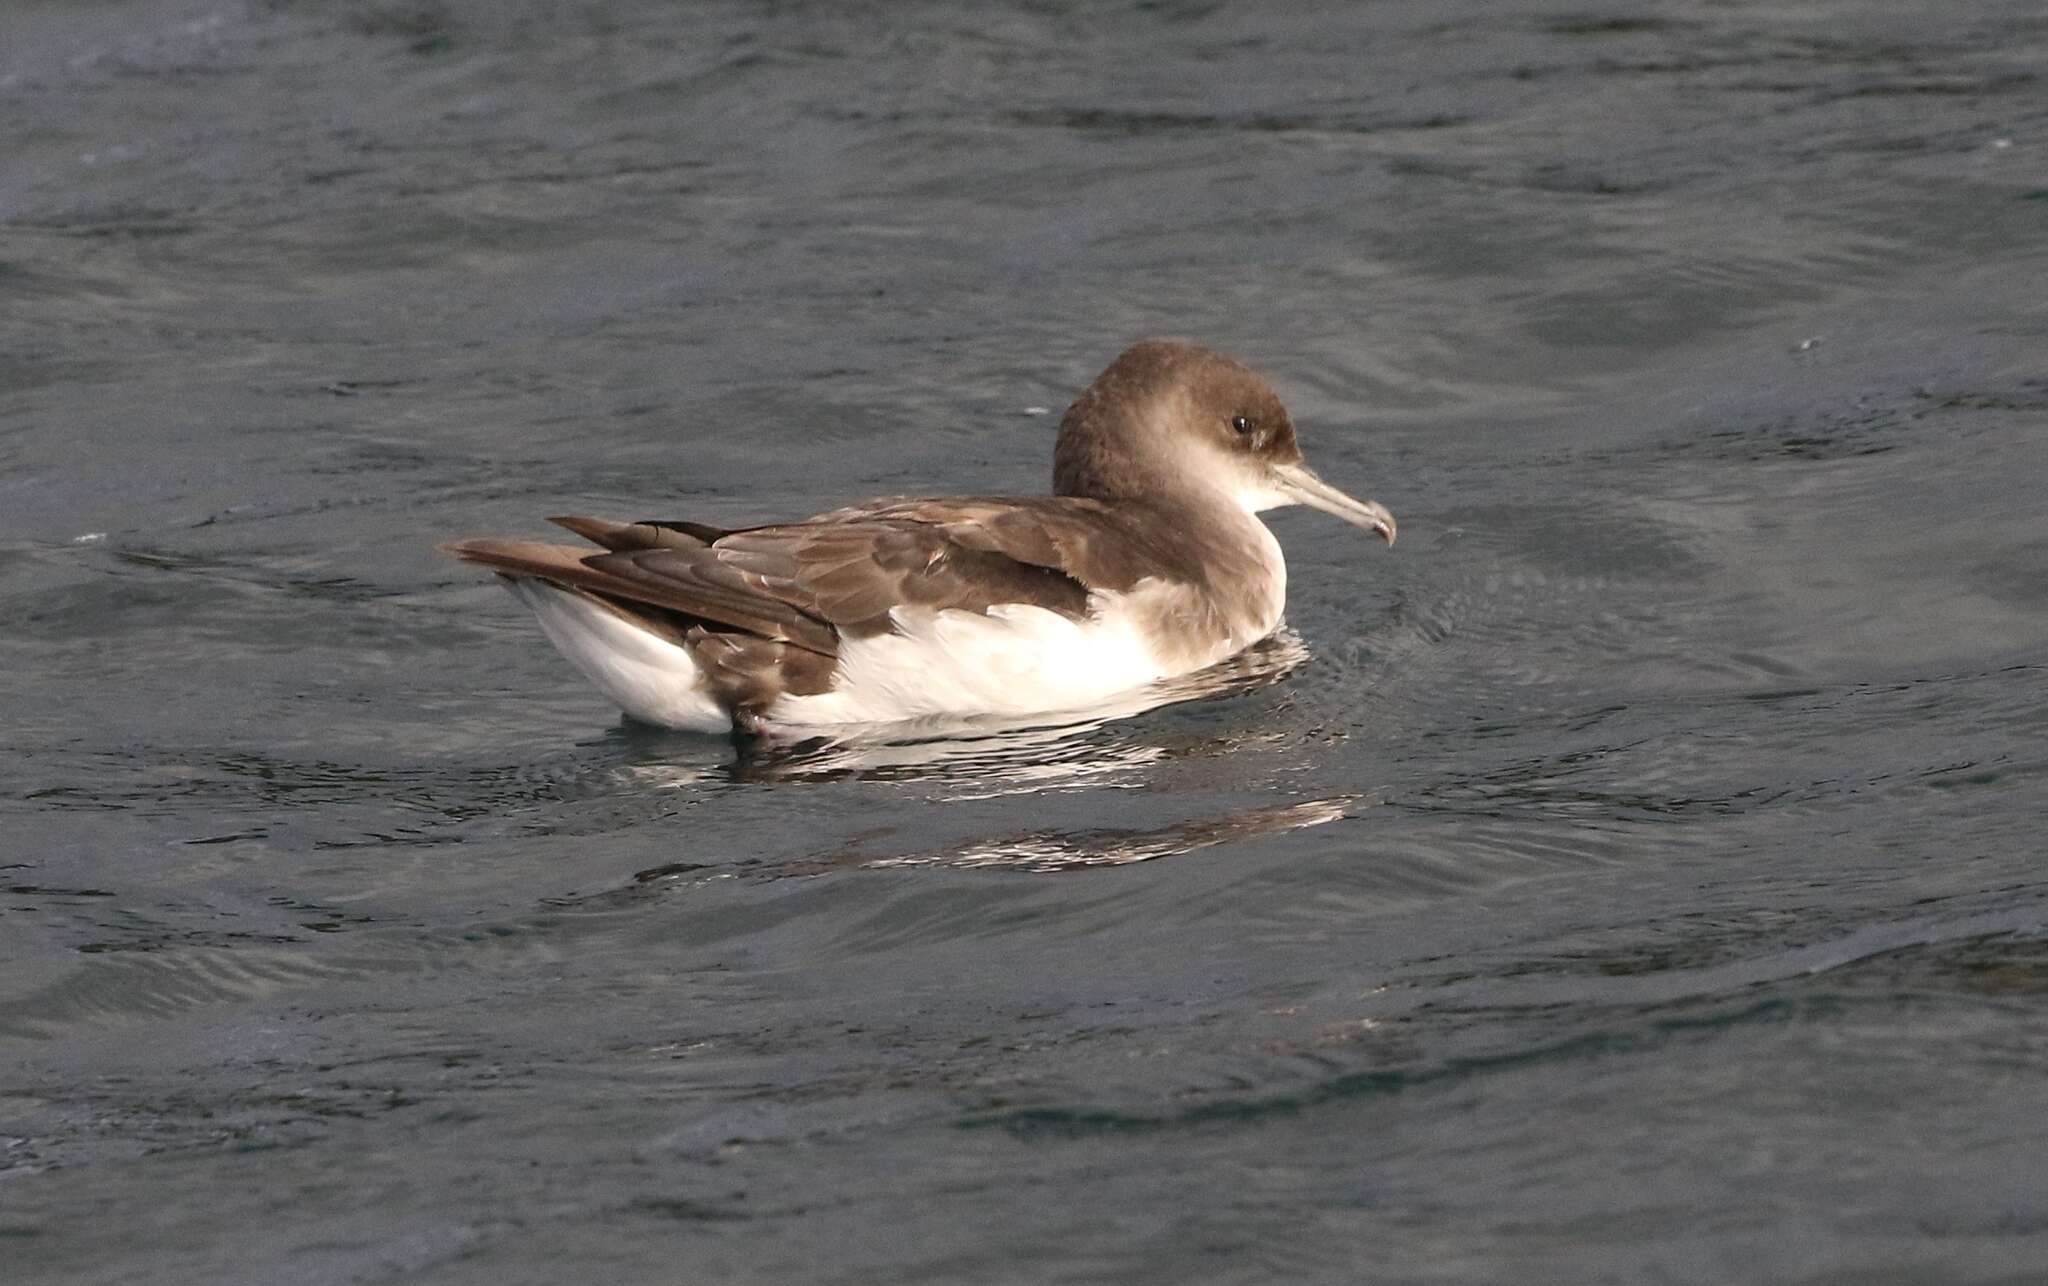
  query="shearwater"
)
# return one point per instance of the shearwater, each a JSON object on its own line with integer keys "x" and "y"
{"x": 1148, "y": 561}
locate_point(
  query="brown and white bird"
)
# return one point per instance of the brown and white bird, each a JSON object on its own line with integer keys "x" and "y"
{"x": 1148, "y": 561}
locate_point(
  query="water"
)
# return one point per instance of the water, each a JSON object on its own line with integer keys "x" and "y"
{"x": 1640, "y": 880}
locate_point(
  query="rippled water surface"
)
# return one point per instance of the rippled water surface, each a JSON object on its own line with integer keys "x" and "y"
{"x": 1635, "y": 875}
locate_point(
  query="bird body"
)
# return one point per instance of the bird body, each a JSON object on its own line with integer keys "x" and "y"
{"x": 1148, "y": 562}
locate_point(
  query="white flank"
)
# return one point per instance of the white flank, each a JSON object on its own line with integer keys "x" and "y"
{"x": 649, "y": 677}
{"x": 1013, "y": 660}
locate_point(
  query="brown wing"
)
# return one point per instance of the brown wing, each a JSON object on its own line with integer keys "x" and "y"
{"x": 852, "y": 573}
{"x": 619, "y": 581}
{"x": 1095, "y": 544}
{"x": 841, "y": 573}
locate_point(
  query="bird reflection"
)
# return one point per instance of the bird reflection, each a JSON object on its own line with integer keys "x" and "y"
{"x": 1039, "y": 851}
{"x": 1028, "y": 852}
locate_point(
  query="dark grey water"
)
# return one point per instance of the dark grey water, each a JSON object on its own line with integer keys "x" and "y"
{"x": 1641, "y": 881}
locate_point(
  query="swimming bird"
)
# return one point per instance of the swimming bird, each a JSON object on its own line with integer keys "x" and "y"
{"x": 1146, "y": 562}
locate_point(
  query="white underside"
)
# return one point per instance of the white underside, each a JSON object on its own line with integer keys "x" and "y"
{"x": 1014, "y": 660}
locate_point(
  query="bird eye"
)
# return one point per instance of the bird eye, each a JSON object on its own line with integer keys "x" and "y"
{"x": 1242, "y": 424}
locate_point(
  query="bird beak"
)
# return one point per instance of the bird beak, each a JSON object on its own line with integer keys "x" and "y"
{"x": 1299, "y": 483}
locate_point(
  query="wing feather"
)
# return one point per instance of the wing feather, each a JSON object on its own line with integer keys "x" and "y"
{"x": 639, "y": 535}
{"x": 809, "y": 583}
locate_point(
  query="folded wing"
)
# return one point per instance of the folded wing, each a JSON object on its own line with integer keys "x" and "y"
{"x": 809, "y": 584}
